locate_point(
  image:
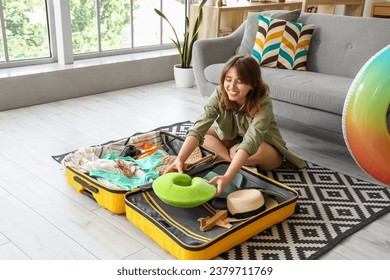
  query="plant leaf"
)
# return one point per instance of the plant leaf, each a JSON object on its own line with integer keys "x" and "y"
{"x": 185, "y": 51}
{"x": 174, "y": 31}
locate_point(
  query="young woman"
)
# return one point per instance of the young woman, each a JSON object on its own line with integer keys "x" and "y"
{"x": 238, "y": 124}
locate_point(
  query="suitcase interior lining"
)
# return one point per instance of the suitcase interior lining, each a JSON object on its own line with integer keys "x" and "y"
{"x": 182, "y": 223}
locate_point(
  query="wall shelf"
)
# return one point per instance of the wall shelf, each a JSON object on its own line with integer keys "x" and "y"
{"x": 351, "y": 7}
{"x": 380, "y": 9}
{"x": 221, "y": 21}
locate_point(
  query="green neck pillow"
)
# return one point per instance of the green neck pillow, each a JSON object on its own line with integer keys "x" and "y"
{"x": 180, "y": 190}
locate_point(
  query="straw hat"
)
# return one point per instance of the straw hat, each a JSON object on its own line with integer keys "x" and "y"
{"x": 245, "y": 203}
{"x": 194, "y": 158}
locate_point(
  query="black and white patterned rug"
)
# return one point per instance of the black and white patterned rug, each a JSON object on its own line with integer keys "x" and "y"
{"x": 331, "y": 206}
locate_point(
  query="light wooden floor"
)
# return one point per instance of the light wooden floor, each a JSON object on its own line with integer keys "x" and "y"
{"x": 42, "y": 217}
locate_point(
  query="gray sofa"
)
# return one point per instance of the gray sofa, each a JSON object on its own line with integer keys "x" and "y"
{"x": 339, "y": 47}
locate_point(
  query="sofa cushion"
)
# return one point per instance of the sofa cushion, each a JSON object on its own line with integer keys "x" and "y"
{"x": 282, "y": 44}
{"x": 312, "y": 90}
{"x": 248, "y": 40}
{"x": 213, "y": 72}
{"x": 341, "y": 45}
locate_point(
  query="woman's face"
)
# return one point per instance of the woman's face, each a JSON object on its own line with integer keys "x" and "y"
{"x": 235, "y": 89}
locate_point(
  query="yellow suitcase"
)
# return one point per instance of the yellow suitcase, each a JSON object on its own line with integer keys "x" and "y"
{"x": 178, "y": 231}
{"x": 110, "y": 197}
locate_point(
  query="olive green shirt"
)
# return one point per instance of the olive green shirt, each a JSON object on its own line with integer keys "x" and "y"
{"x": 254, "y": 130}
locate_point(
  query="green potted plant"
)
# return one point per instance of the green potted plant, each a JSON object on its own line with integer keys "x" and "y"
{"x": 185, "y": 48}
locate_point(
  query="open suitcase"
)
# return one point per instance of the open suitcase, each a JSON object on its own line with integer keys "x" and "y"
{"x": 112, "y": 198}
{"x": 177, "y": 230}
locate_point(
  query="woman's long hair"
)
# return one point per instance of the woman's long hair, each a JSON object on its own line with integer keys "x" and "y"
{"x": 248, "y": 71}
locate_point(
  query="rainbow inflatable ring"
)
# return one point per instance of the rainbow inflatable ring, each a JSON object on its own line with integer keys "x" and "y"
{"x": 365, "y": 117}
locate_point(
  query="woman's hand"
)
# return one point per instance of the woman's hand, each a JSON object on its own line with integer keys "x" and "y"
{"x": 221, "y": 181}
{"x": 189, "y": 145}
{"x": 177, "y": 165}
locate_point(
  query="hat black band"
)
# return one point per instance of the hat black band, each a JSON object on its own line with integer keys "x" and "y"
{"x": 248, "y": 214}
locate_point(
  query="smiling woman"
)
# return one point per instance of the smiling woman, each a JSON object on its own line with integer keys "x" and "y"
{"x": 238, "y": 124}
{"x": 236, "y": 90}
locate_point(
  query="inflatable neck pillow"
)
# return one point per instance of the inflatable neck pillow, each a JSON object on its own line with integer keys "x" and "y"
{"x": 180, "y": 190}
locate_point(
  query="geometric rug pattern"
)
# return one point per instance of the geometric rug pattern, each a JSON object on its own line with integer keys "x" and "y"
{"x": 330, "y": 207}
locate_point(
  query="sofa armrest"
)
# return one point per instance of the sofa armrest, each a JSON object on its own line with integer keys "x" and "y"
{"x": 211, "y": 51}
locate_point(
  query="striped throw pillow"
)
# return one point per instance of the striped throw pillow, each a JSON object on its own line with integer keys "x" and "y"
{"x": 282, "y": 44}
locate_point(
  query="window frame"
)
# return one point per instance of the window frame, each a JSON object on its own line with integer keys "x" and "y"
{"x": 60, "y": 38}
{"x": 33, "y": 61}
{"x": 132, "y": 49}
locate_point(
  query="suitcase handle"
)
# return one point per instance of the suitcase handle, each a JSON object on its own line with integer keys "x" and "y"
{"x": 199, "y": 168}
{"x": 85, "y": 185}
{"x": 88, "y": 194}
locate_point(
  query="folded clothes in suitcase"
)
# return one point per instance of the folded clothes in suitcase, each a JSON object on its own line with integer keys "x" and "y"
{"x": 179, "y": 230}
{"x": 108, "y": 195}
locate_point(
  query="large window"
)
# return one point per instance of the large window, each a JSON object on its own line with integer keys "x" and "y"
{"x": 97, "y": 27}
{"x": 24, "y": 30}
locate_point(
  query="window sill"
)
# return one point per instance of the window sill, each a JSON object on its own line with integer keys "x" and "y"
{"x": 52, "y": 67}
{"x": 32, "y": 85}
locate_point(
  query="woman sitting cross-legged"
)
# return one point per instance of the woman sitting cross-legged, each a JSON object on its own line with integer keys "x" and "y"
{"x": 238, "y": 124}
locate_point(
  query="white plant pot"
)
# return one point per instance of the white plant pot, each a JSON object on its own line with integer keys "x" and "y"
{"x": 184, "y": 77}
